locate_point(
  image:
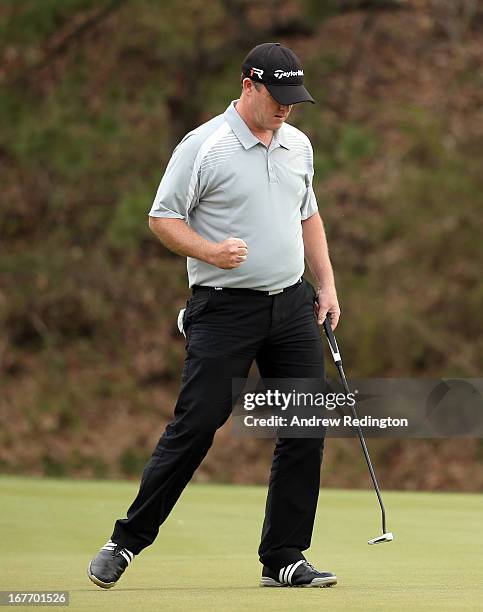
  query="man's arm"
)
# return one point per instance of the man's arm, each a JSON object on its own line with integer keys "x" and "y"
{"x": 317, "y": 256}
{"x": 178, "y": 237}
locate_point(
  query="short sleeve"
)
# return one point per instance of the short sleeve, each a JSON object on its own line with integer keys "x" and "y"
{"x": 178, "y": 190}
{"x": 309, "y": 204}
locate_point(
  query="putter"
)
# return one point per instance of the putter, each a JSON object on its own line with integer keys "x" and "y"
{"x": 386, "y": 536}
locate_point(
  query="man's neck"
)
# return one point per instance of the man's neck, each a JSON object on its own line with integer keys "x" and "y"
{"x": 264, "y": 136}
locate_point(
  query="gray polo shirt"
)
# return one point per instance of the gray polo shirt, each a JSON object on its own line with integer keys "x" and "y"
{"x": 224, "y": 182}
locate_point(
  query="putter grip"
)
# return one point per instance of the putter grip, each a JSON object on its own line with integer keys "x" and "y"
{"x": 334, "y": 349}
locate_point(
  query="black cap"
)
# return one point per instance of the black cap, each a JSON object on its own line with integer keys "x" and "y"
{"x": 280, "y": 70}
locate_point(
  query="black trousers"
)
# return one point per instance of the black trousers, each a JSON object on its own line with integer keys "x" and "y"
{"x": 225, "y": 332}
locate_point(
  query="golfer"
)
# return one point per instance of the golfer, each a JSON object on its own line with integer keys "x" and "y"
{"x": 237, "y": 200}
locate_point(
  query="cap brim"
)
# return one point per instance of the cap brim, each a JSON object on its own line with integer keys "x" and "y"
{"x": 289, "y": 94}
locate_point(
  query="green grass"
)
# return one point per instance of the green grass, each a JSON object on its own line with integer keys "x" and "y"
{"x": 205, "y": 556}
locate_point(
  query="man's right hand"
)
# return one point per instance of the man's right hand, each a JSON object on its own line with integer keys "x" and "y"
{"x": 229, "y": 254}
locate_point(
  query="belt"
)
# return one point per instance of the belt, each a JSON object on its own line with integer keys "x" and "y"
{"x": 241, "y": 291}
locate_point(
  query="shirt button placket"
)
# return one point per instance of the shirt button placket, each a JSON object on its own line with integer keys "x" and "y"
{"x": 271, "y": 171}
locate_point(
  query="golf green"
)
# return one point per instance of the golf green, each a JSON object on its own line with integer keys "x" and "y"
{"x": 205, "y": 556}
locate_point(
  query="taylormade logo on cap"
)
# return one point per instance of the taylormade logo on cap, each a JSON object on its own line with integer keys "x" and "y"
{"x": 287, "y": 73}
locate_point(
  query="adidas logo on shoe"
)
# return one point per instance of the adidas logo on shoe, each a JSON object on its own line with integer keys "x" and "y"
{"x": 109, "y": 564}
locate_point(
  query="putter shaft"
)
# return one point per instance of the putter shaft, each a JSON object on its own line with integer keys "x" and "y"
{"x": 338, "y": 362}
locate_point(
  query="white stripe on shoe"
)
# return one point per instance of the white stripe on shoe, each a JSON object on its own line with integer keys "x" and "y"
{"x": 280, "y": 575}
{"x": 286, "y": 573}
{"x": 294, "y": 567}
{"x": 127, "y": 554}
{"x": 109, "y": 545}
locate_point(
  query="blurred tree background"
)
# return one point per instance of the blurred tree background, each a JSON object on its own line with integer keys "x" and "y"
{"x": 94, "y": 94}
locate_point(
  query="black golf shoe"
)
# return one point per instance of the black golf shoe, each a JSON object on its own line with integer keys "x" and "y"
{"x": 298, "y": 574}
{"x": 109, "y": 564}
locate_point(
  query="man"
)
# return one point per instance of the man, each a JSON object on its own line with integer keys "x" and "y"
{"x": 237, "y": 200}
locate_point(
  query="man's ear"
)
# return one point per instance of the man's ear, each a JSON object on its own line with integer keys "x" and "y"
{"x": 247, "y": 85}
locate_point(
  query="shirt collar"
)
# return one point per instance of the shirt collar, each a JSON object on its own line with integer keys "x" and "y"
{"x": 280, "y": 137}
{"x": 243, "y": 132}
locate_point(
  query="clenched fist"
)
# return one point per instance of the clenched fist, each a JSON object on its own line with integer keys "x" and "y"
{"x": 229, "y": 254}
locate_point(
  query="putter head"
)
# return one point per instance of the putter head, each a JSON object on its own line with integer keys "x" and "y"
{"x": 385, "y": 537}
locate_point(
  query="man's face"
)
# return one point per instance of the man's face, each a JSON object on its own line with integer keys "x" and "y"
{"x": 267, "y": 113}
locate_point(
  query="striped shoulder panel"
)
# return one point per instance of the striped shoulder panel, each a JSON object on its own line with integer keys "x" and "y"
{"x": 215, "y": 149}
{"x": 221, "y": 151}
{"x": 299, "y": 142}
